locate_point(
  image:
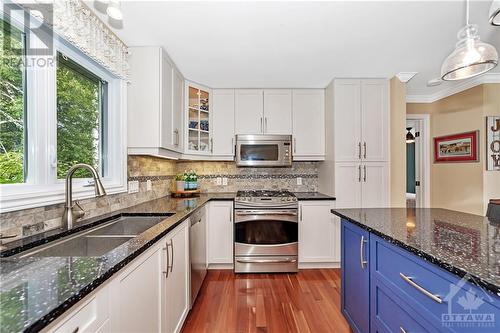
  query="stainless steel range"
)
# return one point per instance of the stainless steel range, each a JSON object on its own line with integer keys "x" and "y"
{"x": 265, "y": 232}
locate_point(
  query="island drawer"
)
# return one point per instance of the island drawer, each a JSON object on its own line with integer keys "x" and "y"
{"x": 438, "y": 296}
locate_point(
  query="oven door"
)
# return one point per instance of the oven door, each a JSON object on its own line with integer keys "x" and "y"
{"x": 266, "y": 232}
{"x": 263, "y": 153}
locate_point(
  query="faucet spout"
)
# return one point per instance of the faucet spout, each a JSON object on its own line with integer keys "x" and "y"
{"x": 73, "y": 211}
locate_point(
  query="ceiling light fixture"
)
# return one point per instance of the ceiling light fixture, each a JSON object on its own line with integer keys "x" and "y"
{"x": 434, "y": 82}
{"x": 495, "y": 13}
{"x": 114, "y": 10}
{"x": 471, "y": 57}
{"x": 409, "y": 136}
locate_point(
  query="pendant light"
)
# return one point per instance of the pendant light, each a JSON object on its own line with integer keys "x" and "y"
{"x": 471, "y": 57}
{"x": 495, "y": 13}
{"x": 114, "y": 10}
{"x": 409, "y": 136}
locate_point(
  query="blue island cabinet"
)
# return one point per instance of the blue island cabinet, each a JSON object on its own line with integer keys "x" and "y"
{"x": 355, "y": 277}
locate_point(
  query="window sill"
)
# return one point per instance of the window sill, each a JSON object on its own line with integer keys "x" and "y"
{"x": 24, "y": 196}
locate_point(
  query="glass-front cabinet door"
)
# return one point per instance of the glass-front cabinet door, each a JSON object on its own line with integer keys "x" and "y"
{"x": 199, "y": 139}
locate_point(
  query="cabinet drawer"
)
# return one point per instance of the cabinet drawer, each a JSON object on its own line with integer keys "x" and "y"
{"x": 439, "y": 297}
{"x": 389, "y": 314}
{"x": 89, "y": 317}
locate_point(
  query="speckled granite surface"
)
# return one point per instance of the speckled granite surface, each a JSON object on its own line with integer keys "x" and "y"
{"x": 463, "y": 244}
{"x": 34, "y": 291}
{"x": 302, "y": 196}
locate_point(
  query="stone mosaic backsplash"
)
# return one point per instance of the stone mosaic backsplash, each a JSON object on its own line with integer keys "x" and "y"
{"x": 162, "y": 173}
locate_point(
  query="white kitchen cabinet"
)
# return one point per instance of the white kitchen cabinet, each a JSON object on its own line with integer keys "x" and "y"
{"x": 178, "y": 109}
{"x": 348, "y": 185}
{"x": 308, "y": 124}
{"x": 277, "y": 111}
{"x": 220, "y": 233}
{"x": 374, "y": 185}
{"x": 175, "y": 296}
{"x": 319, "y": 233}
{"x": 361, "y": 120}
{"x": 153, "y": 97}
{"x": 249, "y": 111}
{"x": 223, "y": 122}
{"x": 199, "y": 120}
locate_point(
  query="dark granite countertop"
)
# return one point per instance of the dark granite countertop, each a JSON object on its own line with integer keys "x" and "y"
{"x": 301, "y": 196}
{"x": 36, "y": 290}
{"x": 463, "y": 244}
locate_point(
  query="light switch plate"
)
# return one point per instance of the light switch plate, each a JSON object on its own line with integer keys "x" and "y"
{"x": 149, "y": 185}
{"x": 133, "y": 186}
{"x": 218, "y": 180}
{"x": 224, "y": 181}
{"x": 299, "y": 180}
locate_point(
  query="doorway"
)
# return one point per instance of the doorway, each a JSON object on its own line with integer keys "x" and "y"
{"x": 417, "y": 161}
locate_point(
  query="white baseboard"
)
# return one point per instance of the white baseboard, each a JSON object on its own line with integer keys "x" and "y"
{"x": 317, "y": 265}
{"x": 220, "y": 266}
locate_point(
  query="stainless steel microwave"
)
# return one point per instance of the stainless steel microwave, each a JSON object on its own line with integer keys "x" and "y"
{"x": 264, "y": 150}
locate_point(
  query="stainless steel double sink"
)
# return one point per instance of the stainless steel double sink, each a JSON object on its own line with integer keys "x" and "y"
{"x": 98, "y": 240}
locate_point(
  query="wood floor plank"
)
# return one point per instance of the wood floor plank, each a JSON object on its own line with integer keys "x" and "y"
{"x": 306, "y": 302}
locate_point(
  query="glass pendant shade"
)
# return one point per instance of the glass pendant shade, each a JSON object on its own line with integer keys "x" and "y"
{"x": 495, "y": 13}
{"x": 114, "y": 10}
{"x": 470, "y": 58}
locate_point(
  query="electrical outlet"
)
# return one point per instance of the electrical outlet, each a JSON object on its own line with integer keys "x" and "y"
{"x": 299, "y": 180}
{"x": 224, "y": 181}
{"x": 149, "y": 185}
{"x": 218, "y": 180}
{"x": 133, "y": 186}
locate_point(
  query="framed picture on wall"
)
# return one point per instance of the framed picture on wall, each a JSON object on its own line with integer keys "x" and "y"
{"x": 463, "y": 147}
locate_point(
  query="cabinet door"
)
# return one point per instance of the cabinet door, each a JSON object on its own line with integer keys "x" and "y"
{"x": 178, "y": 109}
{"x": 348, "y": 184}
{"x": 355, "y": 277}
{"x": 317, "y": 232}
{"x": 166, "y": 115}
{"x": 223, "y": 121}
{"x": 347, "y": 120}
{"x": 137, "y": 289}
{"x": 177, "y": 280}
{"x": 249, "y": 111}
{"x": 220, "y": 232}
{"x": 374, "y": 119}
{"x": 278, "y": 111}
{"x": 374, "y": 189}
{"x": 308, "y": 123}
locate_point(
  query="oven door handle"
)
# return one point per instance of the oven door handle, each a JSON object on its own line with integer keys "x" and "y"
{"x": 265, "y": 213}
{"x": 266, "y": 261}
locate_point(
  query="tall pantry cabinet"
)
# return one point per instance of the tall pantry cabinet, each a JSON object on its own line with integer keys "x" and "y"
{"x": 361, "y": 142}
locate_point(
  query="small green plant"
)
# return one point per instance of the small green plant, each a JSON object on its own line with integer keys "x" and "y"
{"x": 179, "y": 177}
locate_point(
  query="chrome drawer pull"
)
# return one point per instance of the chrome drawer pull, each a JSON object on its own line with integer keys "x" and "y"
{"x": 419, "y": 288}
{"x": 402, "y": 330}
{"x": 362, "y": 260}
{"x": 266, "y": 261}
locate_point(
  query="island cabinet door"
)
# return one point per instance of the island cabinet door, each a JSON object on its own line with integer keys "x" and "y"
{"x": 355, "y": 277}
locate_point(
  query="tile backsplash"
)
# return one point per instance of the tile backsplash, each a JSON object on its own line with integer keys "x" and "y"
{"x": 161, "y": 172}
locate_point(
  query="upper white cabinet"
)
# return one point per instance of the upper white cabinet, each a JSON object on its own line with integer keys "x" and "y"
{"x": 199, "y": 110}
{"x": 308, "y": 114}
{"x": 361, "y": 120}
{"x": 220, "y": 233}
{"x": 154, "y": 112}
{"x": 223, "y": 122}
{"x": 249, "y": 111}
{"x": 277, "y": 115}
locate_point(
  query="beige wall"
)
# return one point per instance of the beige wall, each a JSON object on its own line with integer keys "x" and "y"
{"x": 462, "y": 186}
{"x": 397, "y": 142}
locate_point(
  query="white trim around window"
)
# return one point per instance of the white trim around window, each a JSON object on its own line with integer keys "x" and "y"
{"x": 42, "y": 186}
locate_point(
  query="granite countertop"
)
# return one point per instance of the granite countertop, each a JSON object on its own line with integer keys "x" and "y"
{"x": 301, "y": 196}
{"x": 463, "y": 244}
{"x": 36, "y": 290}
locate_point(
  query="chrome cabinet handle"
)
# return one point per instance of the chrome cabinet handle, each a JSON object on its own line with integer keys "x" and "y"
{"x": 294, "y": 145}
{"x": 172, "y": 247}
{"x": 412, "y": 283}
{"x": 261, "y": 125}
{"x": 359, "y": 173}
{"x": 364, "y": 150}
{"x": 176, "y": 133}
{"x": 211, "y": 145}
{"x": 264, "y": 261}
{"x": 76, "y": 330}
{"x": 7, "y": 236}
{"x": 402, "y": 330}
{"x": 364, "y": 173}
{"x": 168, "y": 261}
{"x": 301, "y": 213}
{"x": 359, "y": 150}
{"x": 233, "y": 147}
{"x": 265, "y": 124}
{"x": 362, "y": 260}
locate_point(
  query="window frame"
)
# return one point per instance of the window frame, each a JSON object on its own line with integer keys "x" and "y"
{"x": 41, "y": 185}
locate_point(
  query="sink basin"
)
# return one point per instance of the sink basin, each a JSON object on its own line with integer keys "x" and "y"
{"x": 98, "y": 240}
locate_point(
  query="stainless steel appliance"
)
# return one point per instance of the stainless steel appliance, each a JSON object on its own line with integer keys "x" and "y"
{"x": 264, "y": 150}
{"x": 198, "y": 251}
{"x": 265, "y": 232}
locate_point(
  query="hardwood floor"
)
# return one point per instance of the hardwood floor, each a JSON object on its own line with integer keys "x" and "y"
{"x": 308, "y": 301}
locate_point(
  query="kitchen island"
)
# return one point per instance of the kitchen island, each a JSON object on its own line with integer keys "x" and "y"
{"x": 419, "y": 270}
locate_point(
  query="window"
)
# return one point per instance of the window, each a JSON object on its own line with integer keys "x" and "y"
{"x": 81, "y": 115}
{"x": 56, "y": 111}
{"x": 12, "y": 105}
